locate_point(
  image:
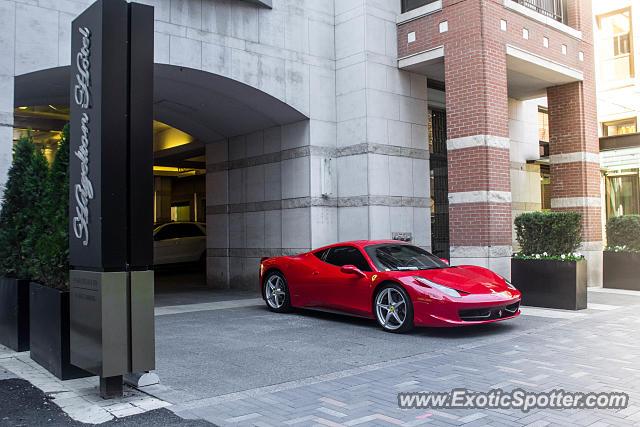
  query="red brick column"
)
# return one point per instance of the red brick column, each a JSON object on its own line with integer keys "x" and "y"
{"x": 477, "y": 139}
{"x": 575, "y": 165}
{"x": 574, "y": 147}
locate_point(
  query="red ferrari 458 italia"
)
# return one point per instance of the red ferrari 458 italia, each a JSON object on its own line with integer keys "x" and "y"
{"x": 398, "y": 284}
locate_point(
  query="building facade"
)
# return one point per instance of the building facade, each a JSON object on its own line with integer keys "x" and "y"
{"x": 317, "y": 121}
{"x": 618, "y": 96}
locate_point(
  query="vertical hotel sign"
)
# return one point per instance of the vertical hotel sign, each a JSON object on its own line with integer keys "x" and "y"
{"x": 99, "y": 129}
{"x": 83, "y": 190}
{"x": 111, "y": 190}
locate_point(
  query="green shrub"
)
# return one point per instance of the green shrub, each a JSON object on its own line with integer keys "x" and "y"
{"x": 624, "y": 231}
{"x": 50, "y": 264}
{"x": 18, "y": 211}
{"x": 555, "y": 233}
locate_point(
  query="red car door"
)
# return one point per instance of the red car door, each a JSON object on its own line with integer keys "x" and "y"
{"x": 342, "y": 291}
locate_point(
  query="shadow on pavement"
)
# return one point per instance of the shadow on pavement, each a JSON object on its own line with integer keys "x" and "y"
{"x": 22, "y": 404}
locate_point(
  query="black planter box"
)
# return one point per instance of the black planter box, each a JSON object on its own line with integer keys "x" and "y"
{"x": 49, "y": 322}
{"x": 14, "y": 313}
{"x": 621, "y": 270}
{"x": 551, "y": 283}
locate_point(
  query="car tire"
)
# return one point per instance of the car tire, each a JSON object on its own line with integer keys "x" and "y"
{"x": 397, "y": 316}
{"x": 276, "y": 292}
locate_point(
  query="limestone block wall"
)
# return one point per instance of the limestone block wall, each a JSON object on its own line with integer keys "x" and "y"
{"x": 524, "y": 146}
{"x": 382, "y": 168}
{"x": 258, "y": 202}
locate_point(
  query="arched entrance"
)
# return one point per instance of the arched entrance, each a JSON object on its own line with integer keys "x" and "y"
{"x": 217, "y": 155}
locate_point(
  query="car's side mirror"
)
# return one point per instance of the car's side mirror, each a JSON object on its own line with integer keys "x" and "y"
{"x": 446, "y": 261}
{"x": 352, "y": 269}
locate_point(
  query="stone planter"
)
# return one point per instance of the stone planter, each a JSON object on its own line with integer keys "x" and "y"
{"x": 14, "y": 313}
{"x": 551, "y": 283}
{"x": 621, "y": 270}
{"x": 50, "y": 330}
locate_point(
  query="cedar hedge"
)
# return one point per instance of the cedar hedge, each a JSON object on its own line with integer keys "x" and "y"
{"x": 18, "y": 210}
{"x": 624, "y": 231}
{"x": 555, "y": 233}
{"x": 50, "y": 261}
{"x": 34, "y": 240}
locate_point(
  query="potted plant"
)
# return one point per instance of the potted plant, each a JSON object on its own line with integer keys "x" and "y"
{"x": 548, "y": 271}
{"x": 15, "y": 217}
{"x": 48, "y": 264}
{"x": 621, "y": 258}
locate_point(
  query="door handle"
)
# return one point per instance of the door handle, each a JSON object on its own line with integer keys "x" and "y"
{"x": 315, "y": 273}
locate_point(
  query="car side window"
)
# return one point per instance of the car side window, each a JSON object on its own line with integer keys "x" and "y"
{"x": 190, "y": 230}
{"x": 347, "y": 255}
{"x": 166, "y": 232}
{"x": 321, "y": 254}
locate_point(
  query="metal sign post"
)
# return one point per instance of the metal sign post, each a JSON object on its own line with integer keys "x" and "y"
{"x": 111, "y": 192}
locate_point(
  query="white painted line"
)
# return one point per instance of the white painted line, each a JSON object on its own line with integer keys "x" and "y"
{"x": 550, "y": 313}
{"x": 595, "y": 306}
{"x": 614, "y": 291}
{"x": 207, "y": 306}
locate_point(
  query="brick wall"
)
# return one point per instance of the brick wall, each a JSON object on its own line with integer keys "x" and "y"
{"x": 473, "y": 14}
{"x": 573, "y": 132}
{"x": 475, "y": 68}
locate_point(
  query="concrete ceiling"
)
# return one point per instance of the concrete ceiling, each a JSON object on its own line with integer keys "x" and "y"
{"x": 528, "y": 75}
{"x": 207, "y": 106}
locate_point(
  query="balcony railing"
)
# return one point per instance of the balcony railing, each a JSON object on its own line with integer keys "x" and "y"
{"x": 408, "y": 5}
{"x": 554, "y": 9}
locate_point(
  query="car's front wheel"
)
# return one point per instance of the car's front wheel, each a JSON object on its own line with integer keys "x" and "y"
{"x": 276, "y": 292}
{"x": 394, "y": 311}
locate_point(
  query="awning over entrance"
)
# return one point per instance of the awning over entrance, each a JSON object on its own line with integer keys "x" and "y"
{"x": 207, "y": 106}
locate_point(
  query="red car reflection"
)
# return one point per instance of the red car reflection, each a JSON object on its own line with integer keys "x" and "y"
{"x": 398, "y": 284}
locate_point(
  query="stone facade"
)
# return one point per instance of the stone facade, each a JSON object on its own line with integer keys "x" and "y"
{"x": 358, "y": 166}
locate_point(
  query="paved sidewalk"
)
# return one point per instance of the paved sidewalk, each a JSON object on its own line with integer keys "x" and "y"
{"x": 231, "y": 362}
{"x": 593, "y": 350}
{"x": 31, "y": 396}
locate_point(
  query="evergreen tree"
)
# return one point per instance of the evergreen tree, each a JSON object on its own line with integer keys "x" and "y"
{"x": 15, "y": 214}
{"x": 51, "y": 261}
{"x": 35, "y": 185}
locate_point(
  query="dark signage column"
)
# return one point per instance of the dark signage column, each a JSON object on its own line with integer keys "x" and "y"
{"x": 111, "y": 190}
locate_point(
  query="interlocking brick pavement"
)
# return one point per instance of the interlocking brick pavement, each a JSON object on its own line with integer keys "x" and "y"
{"x": 598, "y": 351}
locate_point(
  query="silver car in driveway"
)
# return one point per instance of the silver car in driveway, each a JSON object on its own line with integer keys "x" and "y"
{"x": 179, "y": 243}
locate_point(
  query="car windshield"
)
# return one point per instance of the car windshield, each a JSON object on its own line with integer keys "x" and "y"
{"x": 402, "y": 257}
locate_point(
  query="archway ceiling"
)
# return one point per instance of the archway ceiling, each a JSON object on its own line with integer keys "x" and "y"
{"x": 207, "y": 106}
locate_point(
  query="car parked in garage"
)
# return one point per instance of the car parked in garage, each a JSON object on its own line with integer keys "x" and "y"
{"x": 179, "y": 243}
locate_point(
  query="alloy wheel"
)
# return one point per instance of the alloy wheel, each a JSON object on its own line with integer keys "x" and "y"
{"x": 275, "y": 292}
{"x": 391, "y": 308}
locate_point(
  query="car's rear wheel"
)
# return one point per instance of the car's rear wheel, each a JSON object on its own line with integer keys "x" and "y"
{"x": 394, "y": 311}
{"x": 276, "y": 293}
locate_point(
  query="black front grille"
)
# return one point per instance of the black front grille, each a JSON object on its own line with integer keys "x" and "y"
{"x": 489, "y": 313}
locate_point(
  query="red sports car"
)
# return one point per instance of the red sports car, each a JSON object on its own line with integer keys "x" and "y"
{"x": 398, "y": 284}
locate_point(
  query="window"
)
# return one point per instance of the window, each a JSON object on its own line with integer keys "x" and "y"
{"x": 346, "y": 255}
{"x": 616, "y": 60}
{"x": 619, "y": 127}
{"x": 543, "y": 124}
{"x": 621, "y": 193}
{"x": 402, "y": 257}
{"x": 408, "y": 5}
{"x": 176, "y": 231}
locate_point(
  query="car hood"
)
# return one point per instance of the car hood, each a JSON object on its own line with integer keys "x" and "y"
{"x": 466, "y": 278}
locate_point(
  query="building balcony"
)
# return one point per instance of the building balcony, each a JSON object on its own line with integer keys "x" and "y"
{"x": 554, "y": 9}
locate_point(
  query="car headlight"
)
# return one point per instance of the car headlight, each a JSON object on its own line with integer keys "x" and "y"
{"x": 444, "y": 289}
{"x": 509, "y": 284}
